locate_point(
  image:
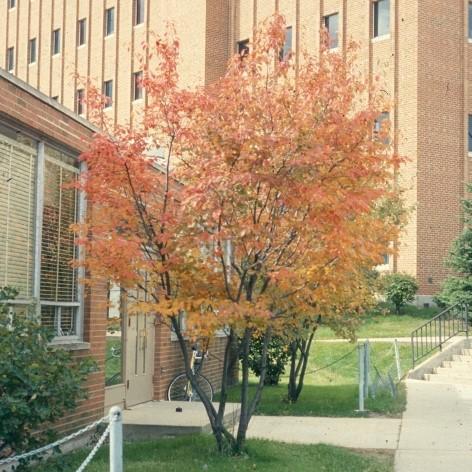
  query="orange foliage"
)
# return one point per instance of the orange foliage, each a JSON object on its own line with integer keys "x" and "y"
{"x": 265, "y": 201}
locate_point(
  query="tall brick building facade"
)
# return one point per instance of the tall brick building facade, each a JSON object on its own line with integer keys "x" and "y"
{"x": 419, "y": 49}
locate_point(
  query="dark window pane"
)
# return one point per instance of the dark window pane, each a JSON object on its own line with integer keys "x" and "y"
{"x": 470, "y": 20}
{"x": 381, "y": 17}
{"x": 32, "y": 51}
{"x": 137, "y": 85}
{"x": 138, "y": 12}
{"x": 56, "y": 41}
{"x": 109, "y": 21}
{"x": 10, "y": 59}
{"x": 108, "y": 92}
{"x": 81, "y": 31}
{"x": 287, "y": 49}
{"x": 470, "y": 133}
{"x": 332, "y": 25}
{"x": 243, "y": 47}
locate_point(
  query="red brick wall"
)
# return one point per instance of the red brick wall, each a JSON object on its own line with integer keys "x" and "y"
{"x": 28, "y": 112}
{"x": 42, "y": 117}
{"x": 168, "y": 361}
{"x": 440, "y": 136}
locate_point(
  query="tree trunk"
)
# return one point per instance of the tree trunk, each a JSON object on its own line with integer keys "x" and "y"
{"x": 224, "y": 439}
{"x": 248, "y": 407}
{"x": 299, "y": 356}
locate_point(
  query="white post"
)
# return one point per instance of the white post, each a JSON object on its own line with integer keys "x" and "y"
{"x": 366, "y": 368}
{"x": 116, "y": 439}
{"x": 397, "y": 359}
{"x": 361, "y": 350}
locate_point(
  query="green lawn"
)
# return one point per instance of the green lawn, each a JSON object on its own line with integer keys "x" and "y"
{"x": 113, "y": 363}
{"x": 384, "y": 324}
{"x": 333, "y": 391}
{"x": 197, "y": 453}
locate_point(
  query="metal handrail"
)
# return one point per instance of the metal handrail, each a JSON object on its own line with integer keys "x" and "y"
{"x": 438, "y": 330}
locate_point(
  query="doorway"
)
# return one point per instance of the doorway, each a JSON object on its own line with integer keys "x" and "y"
{"x": 140, "y": 338}
{"x": 129, "y": 362}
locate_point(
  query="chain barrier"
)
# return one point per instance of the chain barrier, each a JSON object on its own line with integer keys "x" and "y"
{"x": 97, "y": 446}
{"x": 59, "y": 442}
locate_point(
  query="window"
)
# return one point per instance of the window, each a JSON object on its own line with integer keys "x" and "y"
{"x": 331, "y": 23}
{"x": 138, "y": 13}
{"x": 243, "y": 47}
{"x": 56, "y": 41}
{"x": 386, "y": 259}
{"x": 11, "y": 3}
{"x": 81, "y": 32}
{"x": 109, "y": 21}
{"x": 58, "y": 282}
{"x": 108, "y": 92}
{"x": 11, "y": 59}
{"x": 137, "y": 85}
{"x": 79, "y": 101}
{"x": 469, "y": 134}
{"x": 17, "y": 190}
{"x": 470, "y": 20}
{"x": 287, "y": 49}
{"x": 381, "y": 17}
{"x": 380, "y": 126}
{"x": 51, "y": 280}
{"x": 32, "y": 51}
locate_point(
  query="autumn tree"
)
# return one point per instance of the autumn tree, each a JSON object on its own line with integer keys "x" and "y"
{"x": 261, "y": 203}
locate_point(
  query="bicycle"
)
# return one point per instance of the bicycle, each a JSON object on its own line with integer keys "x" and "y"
{"x": 180, "y": 388}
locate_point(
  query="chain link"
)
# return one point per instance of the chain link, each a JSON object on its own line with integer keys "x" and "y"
{"x": 57, "y": 443}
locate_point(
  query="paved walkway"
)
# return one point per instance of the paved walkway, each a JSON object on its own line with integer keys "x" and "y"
{"x": 362, "y": 433}
{"x": 385, "y": 340}
{"x": 436, "y": 430}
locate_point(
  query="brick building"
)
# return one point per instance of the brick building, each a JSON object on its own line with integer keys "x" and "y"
{"x": 419, "y": 49}
{"x": 40, "y": 141}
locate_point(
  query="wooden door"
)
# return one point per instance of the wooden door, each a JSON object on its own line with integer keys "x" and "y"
{"x": 140, "y": 338}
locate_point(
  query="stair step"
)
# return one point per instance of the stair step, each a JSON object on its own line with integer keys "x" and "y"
{"x": 459, "y": 370}
{"x": 467, "y": 352}
{"x": 448, "y": 379}
{"x": 461, "y": 358}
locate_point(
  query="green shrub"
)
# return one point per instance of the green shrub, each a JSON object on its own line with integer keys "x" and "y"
{"x": 399, "y": 289}
{"x": 277, "y": 357}
{"x": 38, "y": 383}
{"x": 455, "y": 290}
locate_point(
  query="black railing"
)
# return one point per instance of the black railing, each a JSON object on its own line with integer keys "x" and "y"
{"x": 435, "y": 332}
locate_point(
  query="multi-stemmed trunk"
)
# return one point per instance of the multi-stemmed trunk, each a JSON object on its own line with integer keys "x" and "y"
{"x": 227, "y": 441}
{"x": 299, "y": 356}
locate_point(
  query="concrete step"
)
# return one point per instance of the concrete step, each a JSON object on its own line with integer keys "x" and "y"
{"x": 467, "y": 352}
{"x": 160, "y": 418}
{"x": 460, "y": 370}
{"x": 461, "y": 358}
{"x": 448, "y": 379}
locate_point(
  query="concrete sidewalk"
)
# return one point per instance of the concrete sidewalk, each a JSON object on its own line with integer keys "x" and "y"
{"x": 436, "y": 430}
{"x": 362, "y": 433}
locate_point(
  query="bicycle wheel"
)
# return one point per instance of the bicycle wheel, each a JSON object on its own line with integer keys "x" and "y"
{"x": 179, "y": 389}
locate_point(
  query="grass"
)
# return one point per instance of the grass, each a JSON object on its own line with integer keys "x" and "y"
{"x": 383, "y": 323}
{"x": 198, "y": 453}
{"x": 112, "y": 363}
{"x": 333, "y": 391}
